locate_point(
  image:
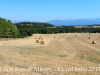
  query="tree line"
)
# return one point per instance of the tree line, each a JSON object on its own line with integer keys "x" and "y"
{"x": 24, "y": 29}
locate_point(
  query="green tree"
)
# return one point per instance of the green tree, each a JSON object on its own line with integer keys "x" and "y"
{"x": 7, "y": 29}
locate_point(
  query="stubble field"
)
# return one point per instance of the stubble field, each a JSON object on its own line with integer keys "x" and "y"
{"x": 66, "y": 54}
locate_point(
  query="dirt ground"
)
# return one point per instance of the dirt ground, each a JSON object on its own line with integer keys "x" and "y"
{"x": 66, "y": 54}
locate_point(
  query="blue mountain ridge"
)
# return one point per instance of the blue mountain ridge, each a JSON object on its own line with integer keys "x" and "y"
{"x": 72, "y": 22}
{"x": 75, "y": 22}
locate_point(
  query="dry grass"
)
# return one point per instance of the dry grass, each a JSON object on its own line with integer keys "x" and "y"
{"x": 59, "y": 52}
{"x": 35, "y": 38}
{"x": 37, "y": 41}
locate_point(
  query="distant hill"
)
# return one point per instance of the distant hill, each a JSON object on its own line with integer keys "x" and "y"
{"x": 75, "y": 22}
{"x": 20, "y": 21}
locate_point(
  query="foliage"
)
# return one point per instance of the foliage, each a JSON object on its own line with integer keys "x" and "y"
{"x": 7, "y": 29}
{"x": 24, "y": 29}
{"x": 29, "y": 28}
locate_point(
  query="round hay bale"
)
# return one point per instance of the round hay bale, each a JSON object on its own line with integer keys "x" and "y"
{"x": 35, "y": 38}
{"x": 41, "y": 42}
{"x": 37, "y": 41}
{"x": 93, "y": 42}
{"x": 41, "y": 38}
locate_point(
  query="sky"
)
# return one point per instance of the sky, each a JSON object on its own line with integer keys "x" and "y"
{"x": 46, "y": 10}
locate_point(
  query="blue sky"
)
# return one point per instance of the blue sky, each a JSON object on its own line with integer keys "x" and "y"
{"x": 45, "y": 10}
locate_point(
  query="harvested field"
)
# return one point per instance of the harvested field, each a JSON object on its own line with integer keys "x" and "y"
{"x": 64, "y": 55}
